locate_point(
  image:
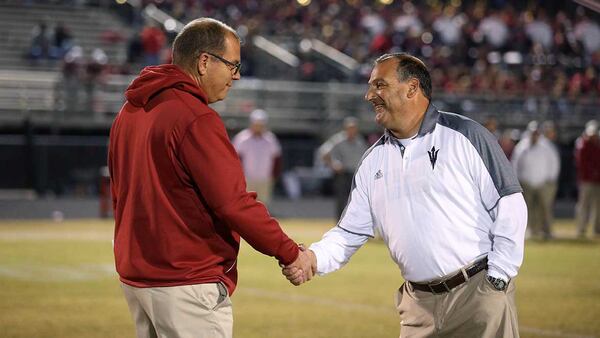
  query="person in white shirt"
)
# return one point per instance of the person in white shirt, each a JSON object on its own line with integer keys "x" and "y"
{"x": 537, "y": 164}
{"x": 447, "y": 203}
{"x": 260, "y": 153}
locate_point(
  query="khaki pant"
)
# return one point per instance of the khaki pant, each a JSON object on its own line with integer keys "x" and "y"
{"x": 264, "y": 189}
{"x": 588, "y": 207}
{"x": 548, "y": 199}
{"x": 540, "y": 208}
{"x": 189, "y": 311}
{"x": 473, "y": 309}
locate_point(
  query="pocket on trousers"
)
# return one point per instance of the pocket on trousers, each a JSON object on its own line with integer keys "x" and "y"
{"x": 399, "y": 295}
{"x": 223, "y": 294}
{"x": 210, "y": 295}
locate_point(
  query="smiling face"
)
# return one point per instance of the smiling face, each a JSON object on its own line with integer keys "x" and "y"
{"x": 216, "y": 76}
{"x": 387, "y": 94}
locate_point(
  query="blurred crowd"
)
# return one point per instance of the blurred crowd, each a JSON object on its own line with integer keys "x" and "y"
{"x": 82, "y": 73}
{"x": 50, "y": 42}
{"x": 497, "y": 46}
{"x": 500, "y": 47}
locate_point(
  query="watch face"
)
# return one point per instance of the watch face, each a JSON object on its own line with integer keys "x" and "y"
{"x": 497, "y": 283}
{"x": 500, "y": 285}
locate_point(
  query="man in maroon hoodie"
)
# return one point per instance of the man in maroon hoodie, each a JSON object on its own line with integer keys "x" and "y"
{"x": 587, "y": 161}
{"x": 179, "y": 194}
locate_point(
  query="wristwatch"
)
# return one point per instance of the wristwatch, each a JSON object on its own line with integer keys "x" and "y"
{"x": 498, "y": 283}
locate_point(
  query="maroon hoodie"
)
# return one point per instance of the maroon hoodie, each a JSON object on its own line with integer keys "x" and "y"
{"x": 179, "y": 194}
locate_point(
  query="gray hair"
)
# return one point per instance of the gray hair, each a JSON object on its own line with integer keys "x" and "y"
{"x": 410, "y": 67}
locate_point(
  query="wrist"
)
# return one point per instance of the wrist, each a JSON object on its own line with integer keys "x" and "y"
{"x": 498, "y": 283}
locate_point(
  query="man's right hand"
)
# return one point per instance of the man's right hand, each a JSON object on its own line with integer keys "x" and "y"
{"x": 303, "y": 268}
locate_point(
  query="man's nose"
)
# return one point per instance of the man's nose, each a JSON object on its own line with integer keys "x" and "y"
{"x": 369, "y": 94}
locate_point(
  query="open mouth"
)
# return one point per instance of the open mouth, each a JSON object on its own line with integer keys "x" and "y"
{"x": 379, "y": 107}
{"x": 380, "y": 111}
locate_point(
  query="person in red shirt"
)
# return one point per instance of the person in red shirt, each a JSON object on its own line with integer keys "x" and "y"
{"x": 179, "y": 194}
{"x": 587, "y": 161}
{"x": 153, "y": 41}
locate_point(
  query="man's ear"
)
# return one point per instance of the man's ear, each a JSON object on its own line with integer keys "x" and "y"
{"x": 202, "y": 64}
{"x": 413, "y": 88}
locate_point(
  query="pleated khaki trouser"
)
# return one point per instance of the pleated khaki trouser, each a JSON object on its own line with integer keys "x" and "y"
{"x": 189, "y": 311}
{"x": 588, "y": 208}
{"x": 540, "y": 208}
{"x": 473, "y": 309}
{"x": 263, "y": 188}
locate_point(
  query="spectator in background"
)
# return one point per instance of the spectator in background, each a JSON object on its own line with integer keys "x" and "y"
{"x": 549, "y": 132}
{"x": 72, "y": 74}
{"x": 493, "y": 29}
{"x": 135, "y": 49}
{"x": 342, "y": 153}
{"x": 153, "y": 40}
{"x": 62, "y": 40}
{"x": 588, "y": 33}
{"x": 539, "y": 31}
{"x": 508, "y": 140}
{"x": 449, "y": 26}
{"x": 94, "y": 72}
{"x": 537, "y": 165}
{"x": 40, "y": 42}
{"x": 587, "y": 162}
{"x": 260, "y": 153}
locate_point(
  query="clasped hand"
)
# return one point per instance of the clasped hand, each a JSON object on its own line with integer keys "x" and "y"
{"x": 303, "y": 268}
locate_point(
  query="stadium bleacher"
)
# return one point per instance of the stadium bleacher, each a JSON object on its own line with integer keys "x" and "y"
{"x": 307, "y": 65}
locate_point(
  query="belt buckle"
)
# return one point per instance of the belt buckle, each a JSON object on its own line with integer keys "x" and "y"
{"x": 441, "y": 283}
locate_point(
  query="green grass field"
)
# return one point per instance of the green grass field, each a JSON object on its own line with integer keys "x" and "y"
{"x": 58, "y": 280}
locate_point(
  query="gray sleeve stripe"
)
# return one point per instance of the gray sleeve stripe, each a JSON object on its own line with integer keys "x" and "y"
{"x": 354, "y": 233}
{"x": 507, "y": 191}
{"x": 489, "y": 150}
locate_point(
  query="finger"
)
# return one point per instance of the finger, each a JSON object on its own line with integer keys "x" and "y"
{"x": 289, "y": 270}
{"x": 297, "y": 281}
{"x": 292, "y": 271}
{"x": 296, "y": 275}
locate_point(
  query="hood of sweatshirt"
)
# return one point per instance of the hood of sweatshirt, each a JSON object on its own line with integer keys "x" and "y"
{"x": 154, "y": 79}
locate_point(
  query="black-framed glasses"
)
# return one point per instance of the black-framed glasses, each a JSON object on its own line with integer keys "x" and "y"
{"x": 234, "y": 67}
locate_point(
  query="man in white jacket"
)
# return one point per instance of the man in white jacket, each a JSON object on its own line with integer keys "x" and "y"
{"x": 537, "y": 164}
{"x": 447, "y": 204}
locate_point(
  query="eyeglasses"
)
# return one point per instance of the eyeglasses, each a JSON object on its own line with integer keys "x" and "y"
{"x": 234, "y": 67}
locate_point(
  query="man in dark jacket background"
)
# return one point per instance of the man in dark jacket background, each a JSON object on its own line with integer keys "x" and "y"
{"x": 179, "y": 194}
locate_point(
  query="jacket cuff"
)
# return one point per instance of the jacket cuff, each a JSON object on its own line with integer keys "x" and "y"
{"x": 288, "y": 252}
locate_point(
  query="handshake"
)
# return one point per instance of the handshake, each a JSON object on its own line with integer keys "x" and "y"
{"x": 303, "y": 268}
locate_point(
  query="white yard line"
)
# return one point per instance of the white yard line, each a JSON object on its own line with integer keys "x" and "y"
{"x": 83, "y": 272}
{"x": 55, "y": 235}
{"x": 279, "y": 296}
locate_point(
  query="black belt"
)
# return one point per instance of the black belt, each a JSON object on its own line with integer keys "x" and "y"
{"x": 454, "y": 281}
